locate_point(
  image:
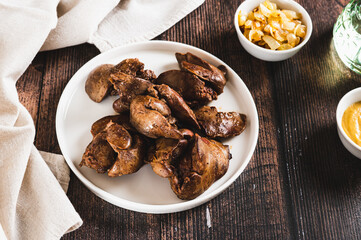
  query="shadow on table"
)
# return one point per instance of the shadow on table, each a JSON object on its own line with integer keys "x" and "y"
{"x": 329, "y": 180}
{"x": 325, "y": 185}
{"x": 338, "y": 168}
{"x": 330, "y": 72}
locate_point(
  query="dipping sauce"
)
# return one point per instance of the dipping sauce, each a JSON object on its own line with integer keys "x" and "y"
{"x": 351, "y": 122}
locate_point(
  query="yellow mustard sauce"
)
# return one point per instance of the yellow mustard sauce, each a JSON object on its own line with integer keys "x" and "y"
{"x": 351, "y": 122}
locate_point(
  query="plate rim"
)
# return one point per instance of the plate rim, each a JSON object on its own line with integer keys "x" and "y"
{"x": 142, "y": 207}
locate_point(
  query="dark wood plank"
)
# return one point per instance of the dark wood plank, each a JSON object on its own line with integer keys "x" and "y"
{"x": 234, "y": 214}
{"x": 103, "y": 220}
{"x": 29, "y": 86}
{"x": 254, "y": 207}
{"x": 60, "y": 66}
{"x": 322, "y": 174}
{"x": 301, "y": 182}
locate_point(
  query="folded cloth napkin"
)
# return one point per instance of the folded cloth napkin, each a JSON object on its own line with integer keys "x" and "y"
{"x": 33, "y": 205}
{"x": 128, "y": 21}
{"x": 140, "y": 20}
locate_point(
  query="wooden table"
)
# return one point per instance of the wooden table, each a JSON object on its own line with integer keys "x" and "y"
{"x": 301, "y": 182}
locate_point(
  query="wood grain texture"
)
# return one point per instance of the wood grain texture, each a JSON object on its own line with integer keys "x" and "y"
{"x": 59, "y": 67}
{"x": 318, "y": 167}
{"x": 29, "y": 86}
{"x": 301, "y": 182}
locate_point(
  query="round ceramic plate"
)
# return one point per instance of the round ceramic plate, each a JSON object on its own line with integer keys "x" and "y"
{"x": 144, "y": 191}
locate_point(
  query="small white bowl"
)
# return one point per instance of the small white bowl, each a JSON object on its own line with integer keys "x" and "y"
{"x": 267, "y": 54}
{"x": 350, "y": 98}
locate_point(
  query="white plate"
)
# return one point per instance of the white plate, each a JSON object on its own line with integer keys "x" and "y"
{"x": 145, "y": 191}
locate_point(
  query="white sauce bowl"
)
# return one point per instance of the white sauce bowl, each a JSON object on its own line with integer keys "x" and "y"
{"x": 350, "y": 98}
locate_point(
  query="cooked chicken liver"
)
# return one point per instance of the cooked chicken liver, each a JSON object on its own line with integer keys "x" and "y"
{"x": 152, "y": 118}
{"x": 97, "y": 85}
{"x": 220, "y": 124}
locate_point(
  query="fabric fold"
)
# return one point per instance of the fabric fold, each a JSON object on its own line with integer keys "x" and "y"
{"x": 77, "y": 21}
{"x": 58, "y": 167}
{"x": 33, "y": 203}
{"x": 140, "y": 20}
{"x": 49, "y": 204}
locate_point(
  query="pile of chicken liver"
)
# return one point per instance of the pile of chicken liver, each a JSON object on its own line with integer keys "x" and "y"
{"x": 163, "y": 121}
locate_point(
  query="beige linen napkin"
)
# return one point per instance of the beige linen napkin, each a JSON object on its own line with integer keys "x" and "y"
{"x": 140, "y": 20}
{"x": 58, "y": 167}
{"x": 130, "y": 21}
{"x": 33, "y": 205}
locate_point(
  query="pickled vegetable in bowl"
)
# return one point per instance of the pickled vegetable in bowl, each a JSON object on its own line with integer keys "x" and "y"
{"x": 271, "y": 27}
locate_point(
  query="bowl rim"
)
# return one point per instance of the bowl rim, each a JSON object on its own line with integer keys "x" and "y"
{"x": 305, "y": 15}
{"x": 339, "y": 119}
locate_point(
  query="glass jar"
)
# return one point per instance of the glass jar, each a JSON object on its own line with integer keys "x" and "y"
{"x": 347, "y": 35}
